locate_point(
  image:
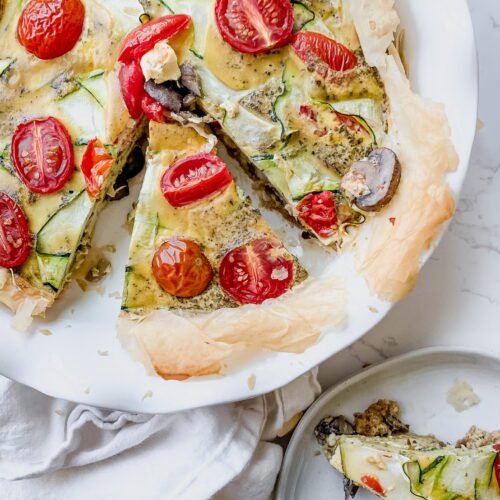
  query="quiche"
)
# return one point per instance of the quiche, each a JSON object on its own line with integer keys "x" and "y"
{"x": 65, "y": 135}
{"x": 300, "y": 107}
{"x": 191, "y": 212}
{"x": 379, "y": 454}
{"x": 311, "y": 96}
{"x": 205, "y": 270}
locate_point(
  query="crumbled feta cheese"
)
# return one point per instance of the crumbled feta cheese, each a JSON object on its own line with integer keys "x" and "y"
{"x": 160, "y": 63}
{"x": 354, "y": 185}
{"x": 279, "y": 273}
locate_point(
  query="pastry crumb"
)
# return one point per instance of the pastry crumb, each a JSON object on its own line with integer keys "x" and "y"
{"x": 46, "y": 332}
{"x": 252, "y": 379}
{"x": 317, "y": 453}
{"x": 147, "y": 394}
{"x": 373, "y": 309}
{"x": 102, "y": 353}
{"x": 462, "y": 397}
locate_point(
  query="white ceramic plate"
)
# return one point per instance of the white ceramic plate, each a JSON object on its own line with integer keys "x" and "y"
{"x": 419, "y": 381}
{"x": 83, "y": 361}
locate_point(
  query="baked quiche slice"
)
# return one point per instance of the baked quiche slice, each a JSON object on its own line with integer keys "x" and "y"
{"x": 379, "y": 454}
{"x": 197, "y": 243}
{"x": 65, "y": 135}
{"x": 206, "y": 275}
{"x": 293, "y": 96}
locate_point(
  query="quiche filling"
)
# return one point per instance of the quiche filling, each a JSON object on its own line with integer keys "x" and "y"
{"x": 64, "y": 132}
{"x": 379, "y": 453}
{"x": 179, "y": 213}
{"x": 300, "y": 114}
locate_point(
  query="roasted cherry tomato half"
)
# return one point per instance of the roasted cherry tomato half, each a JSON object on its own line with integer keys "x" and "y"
{"x": 496, "y": 447}
{"x": 42, "y": 154}
{"x": 132, "y": 87}
{"x": 309, "y": 44}
{"x": 260, "y": 270}
{"x": 143, "y": 38}
{"x": 317, "y": 211}
{"x": 153, "y": 109}
{"x": 50, "y": 28}
{"x": 373, "y": 484}
{"x": 195, "y": 178}
{"x": 181, "y": 268}
{"x": 96, "y": 162}
{"x": 255, "y": 26}
{"x": 15, "y": 238}
{"x": 354, "y": 124}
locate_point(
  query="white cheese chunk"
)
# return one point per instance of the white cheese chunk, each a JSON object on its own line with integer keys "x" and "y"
{"x": 160, "y": 63}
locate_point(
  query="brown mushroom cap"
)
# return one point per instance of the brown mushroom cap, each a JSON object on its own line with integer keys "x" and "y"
{"x": 372, "y": 183}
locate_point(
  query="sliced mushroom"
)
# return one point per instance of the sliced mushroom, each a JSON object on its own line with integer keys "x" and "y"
{"x": 188, "y": 100}
{"x": 371, "y": 184}
{"x": 189, "y": 79}
{"x": 167, "y": 96}
{"x": 333, "y": 425}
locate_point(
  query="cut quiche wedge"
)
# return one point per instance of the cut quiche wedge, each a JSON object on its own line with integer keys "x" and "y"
{"x": 189, "y": 195}
{"x": 65, "y": 135}
{"x": 298, "y": 116}
{"x": 206, "y": 274}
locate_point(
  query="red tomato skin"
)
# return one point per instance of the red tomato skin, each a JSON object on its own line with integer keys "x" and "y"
{"x": 246, "y": 272}
{"x": 96, "y": 162}
{"x": 181, "y": 268}
{"x": 29, "y": 137}
{"x": 132, "y": 87}
{"x": 496, "y": 447}
{"x": 50, "y": 28}
{"x": 15, "y": 238}
{"x": 153, "y": 110}
{"x": 373, "y": 484}
{"x": 279, "y": 29}
{"x": 317, "y": 210}
{"x": 337, "y": 56}
{"x": 143, "y": 38}
{"x": 182, "y": 195}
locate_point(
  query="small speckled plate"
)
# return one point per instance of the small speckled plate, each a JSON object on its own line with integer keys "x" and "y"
{"x": 420, "y": 382}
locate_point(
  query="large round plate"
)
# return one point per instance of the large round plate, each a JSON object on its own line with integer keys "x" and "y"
{"x": 83, "y": 361}
{"x": 419, "y": 381}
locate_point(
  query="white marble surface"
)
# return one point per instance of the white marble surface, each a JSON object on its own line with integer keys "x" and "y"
{"x": 457, "y": 300}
